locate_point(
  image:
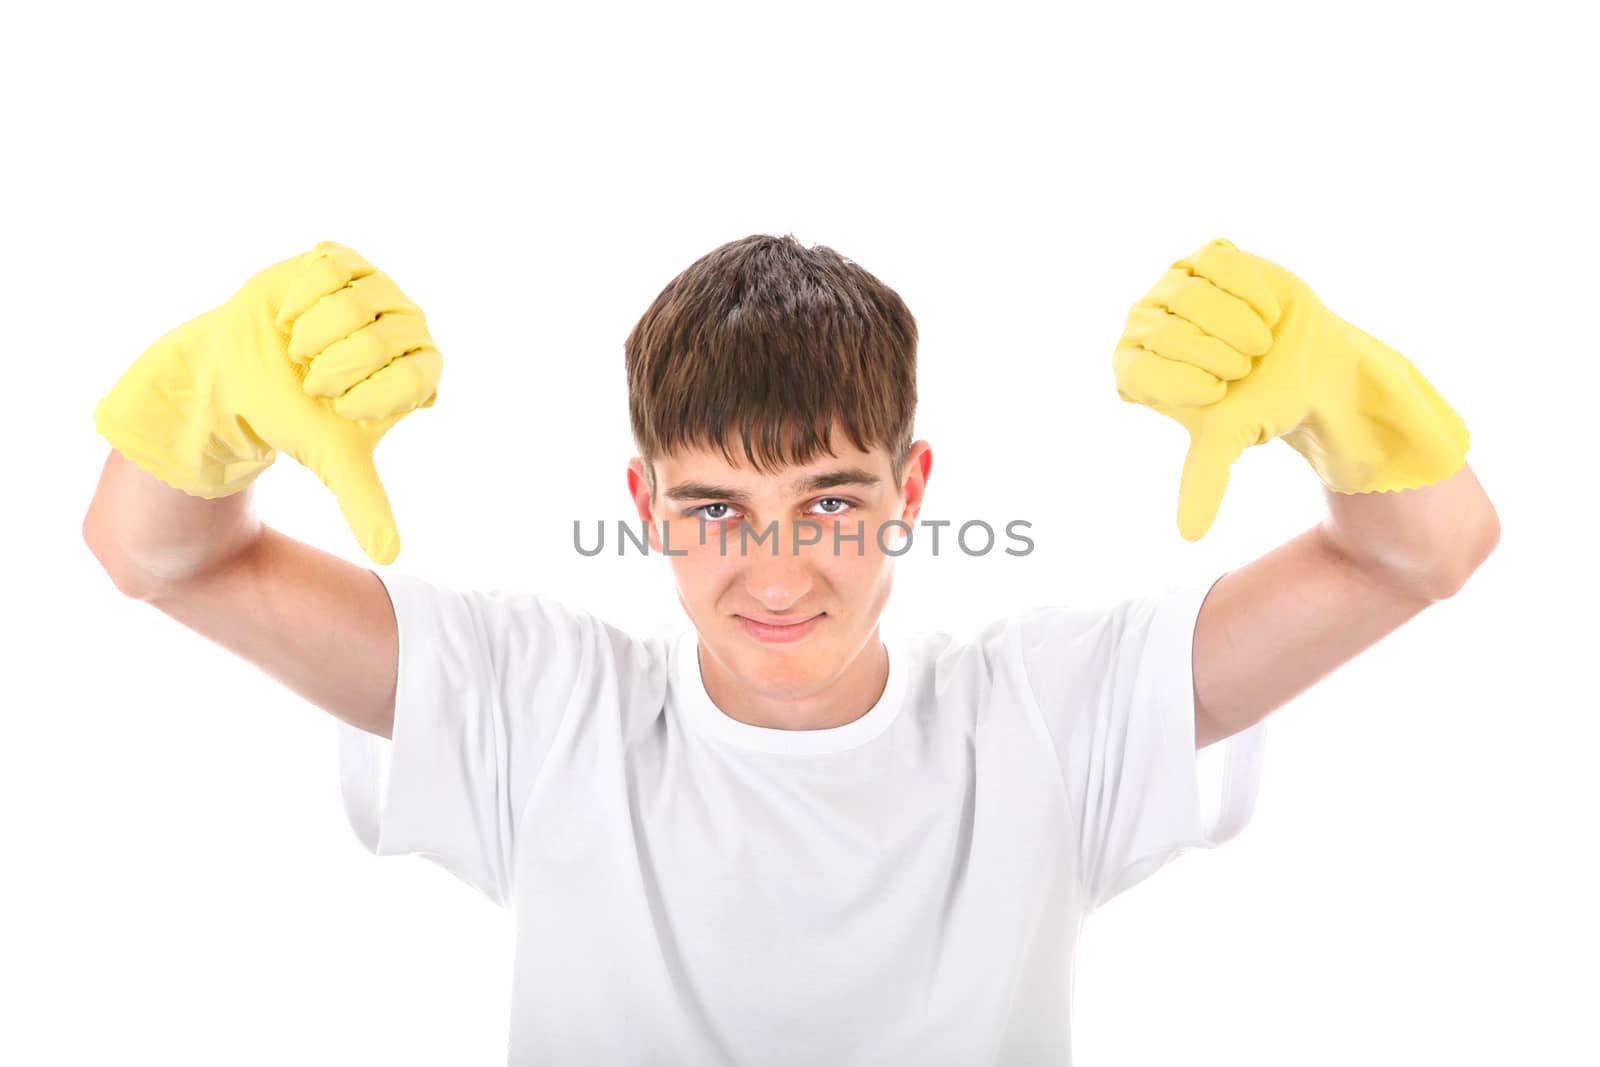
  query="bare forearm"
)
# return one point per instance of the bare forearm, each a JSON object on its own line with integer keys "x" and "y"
{"x": 320, "y": 625}
{"x": 148, "y": 535}
{"x": 1427, "y": 540}
{"x": 1271, "y": 629}
{"x": 316, "y": 623}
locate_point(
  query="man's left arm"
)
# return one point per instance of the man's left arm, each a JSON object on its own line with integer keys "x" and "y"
{"x": 1241, "y": 352}
{"x": 1271, "y": 629}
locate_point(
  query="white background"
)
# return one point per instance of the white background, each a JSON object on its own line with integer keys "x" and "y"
{"x": 180, "y": 884}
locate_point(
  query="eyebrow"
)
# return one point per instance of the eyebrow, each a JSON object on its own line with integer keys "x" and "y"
{"x": 826, "y": 480}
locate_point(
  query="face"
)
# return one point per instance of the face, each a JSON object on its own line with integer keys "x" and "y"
{"x": 786, "y": 627}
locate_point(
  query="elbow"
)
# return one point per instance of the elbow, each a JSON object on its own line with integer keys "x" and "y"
{"x": 122, "y": 577}
{"x": 1476, "y": 543}
{"x": 93, "y": 541}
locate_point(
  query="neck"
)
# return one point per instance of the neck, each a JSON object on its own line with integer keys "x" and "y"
{"x": 839, "y": 702}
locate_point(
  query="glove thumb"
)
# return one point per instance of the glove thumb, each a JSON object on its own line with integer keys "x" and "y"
{"x": 1212, "y": 451}
{"x": 353, "y": 478}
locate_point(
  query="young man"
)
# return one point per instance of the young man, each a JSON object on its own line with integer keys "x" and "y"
{"x": 772, "y": 834}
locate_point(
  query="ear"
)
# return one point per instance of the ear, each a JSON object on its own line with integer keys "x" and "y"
{"x": 919, "y": 465}
{"x": 639, "y": 490}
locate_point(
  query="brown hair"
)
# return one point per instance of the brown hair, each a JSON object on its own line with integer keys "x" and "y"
{"x": 775, "y": 340}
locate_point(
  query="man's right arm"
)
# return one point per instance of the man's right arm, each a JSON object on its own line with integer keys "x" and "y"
{"x": 320, "y": 625}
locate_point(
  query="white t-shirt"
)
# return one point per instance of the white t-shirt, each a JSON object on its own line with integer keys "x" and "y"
{"x": 688, "y": 889}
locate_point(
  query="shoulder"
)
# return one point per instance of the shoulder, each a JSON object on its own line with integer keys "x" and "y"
{"x": 521, "y": 636}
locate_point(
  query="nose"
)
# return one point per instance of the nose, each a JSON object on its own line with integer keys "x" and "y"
{"x": 783, "y": 580}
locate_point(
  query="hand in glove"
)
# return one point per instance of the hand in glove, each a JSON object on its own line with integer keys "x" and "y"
{"x": 1239, "y": 351}
{"x": 318, "y": 356}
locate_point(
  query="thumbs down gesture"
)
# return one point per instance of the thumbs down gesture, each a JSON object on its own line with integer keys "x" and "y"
{"x": 1239, "y": 351}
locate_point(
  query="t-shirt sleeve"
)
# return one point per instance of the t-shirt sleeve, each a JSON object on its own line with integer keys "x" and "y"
{"x": 485, "y": 681}
{"x": 1115, "y": 687}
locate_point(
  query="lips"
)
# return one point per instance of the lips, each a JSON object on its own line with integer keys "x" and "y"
{"x": 787, "y": 620}
{"x": 778, "y": 632}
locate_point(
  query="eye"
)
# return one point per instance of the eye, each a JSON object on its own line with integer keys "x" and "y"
{"x": 703, "y": 508}
{"x": 831, "y": 505}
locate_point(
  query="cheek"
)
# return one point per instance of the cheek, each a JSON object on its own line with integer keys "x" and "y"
{"x": 853, "y": 568}
{"x": 702, "y": 573}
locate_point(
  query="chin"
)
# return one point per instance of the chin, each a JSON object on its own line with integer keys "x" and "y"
{"x": 796, "y": 666}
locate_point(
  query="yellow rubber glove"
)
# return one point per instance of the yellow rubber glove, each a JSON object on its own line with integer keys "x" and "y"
{"x": 1239, "y": 351}
{"x": 318, "y": 355}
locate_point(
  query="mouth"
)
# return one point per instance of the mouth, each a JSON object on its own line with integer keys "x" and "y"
{"x": 780, "y": 633}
